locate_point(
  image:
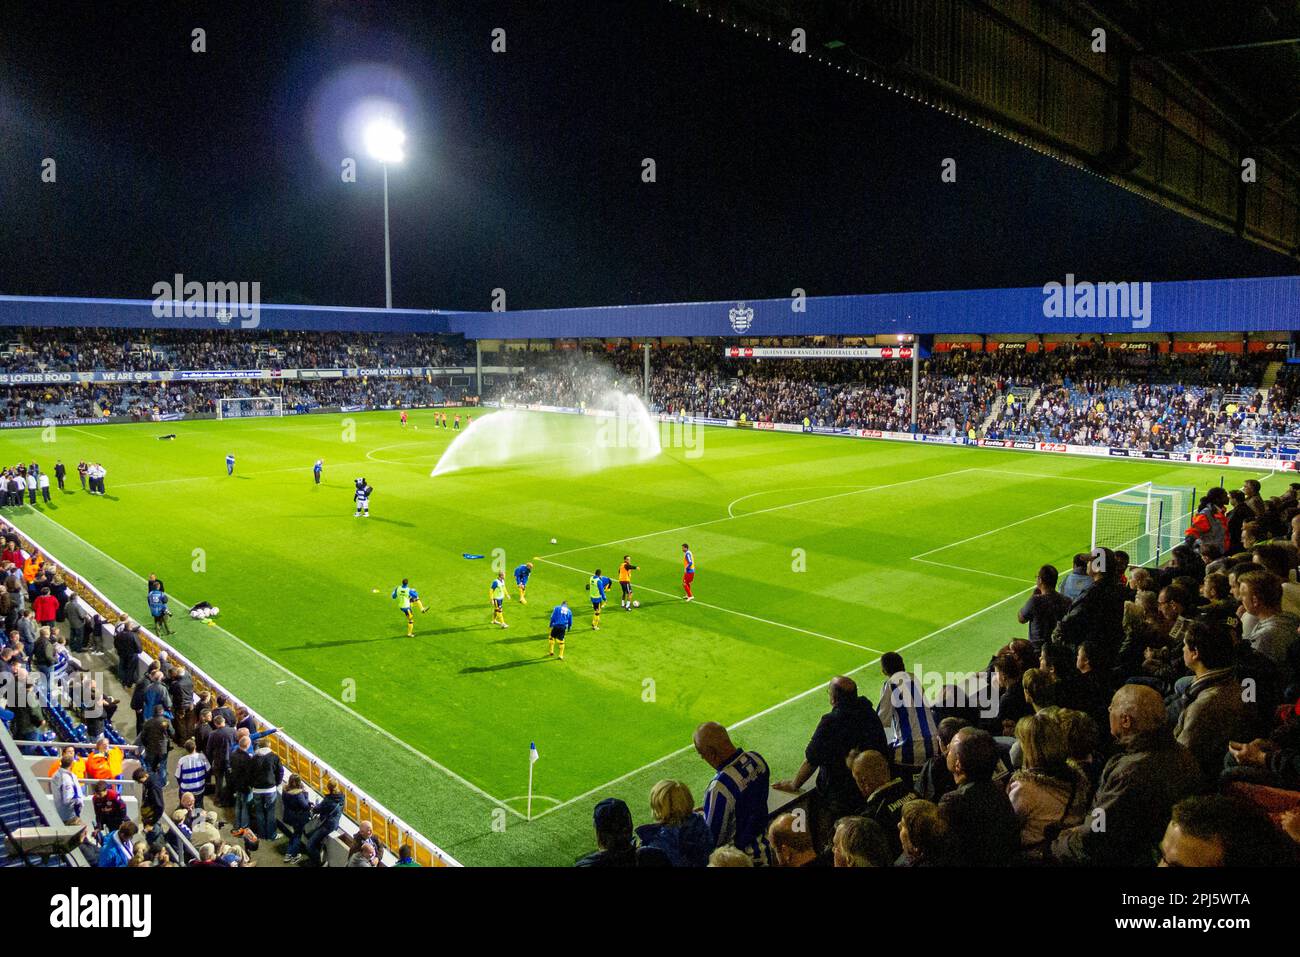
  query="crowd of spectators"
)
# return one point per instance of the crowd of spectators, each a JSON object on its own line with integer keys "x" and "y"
{"x": 36, "y": 350}
{"x": 210, "y": 792}
{"x": 145, "y": 400}
{"x": 1146, "y": 715}
{"x": 1076, "y": 393}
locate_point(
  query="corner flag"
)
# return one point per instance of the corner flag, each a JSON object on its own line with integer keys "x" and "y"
{"x": 532, "y": 759}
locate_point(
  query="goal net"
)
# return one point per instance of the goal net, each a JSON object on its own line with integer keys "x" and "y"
{"x": 1146, "y": 521}
{"x": 249, "y": 407}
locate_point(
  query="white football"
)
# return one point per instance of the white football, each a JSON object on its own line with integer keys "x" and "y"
{"x": 636, "y": 604}
{"x": 553, "y": 542}
{"x": 215, "y": 611}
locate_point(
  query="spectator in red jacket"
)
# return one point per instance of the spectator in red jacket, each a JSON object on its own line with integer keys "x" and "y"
{"x": 46, "y": 607}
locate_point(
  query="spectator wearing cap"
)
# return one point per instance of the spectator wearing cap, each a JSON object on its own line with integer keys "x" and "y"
{"x": 1077, "y": 580}
{"x": 615, "y": 843}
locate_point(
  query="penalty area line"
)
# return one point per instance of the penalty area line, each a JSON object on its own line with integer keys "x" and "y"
{"x": 776, "y": 707}
{"x": 741, "y": 614}
{"x": 860, "y": 490}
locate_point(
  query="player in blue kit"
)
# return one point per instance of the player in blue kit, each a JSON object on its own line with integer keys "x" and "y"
{"x": 561, "y": 622}
{"x": 230, "y": 464}
{"x": 596, "y": 592}
{"x": 521, "y": 580}
{"x": 317, "y": 469}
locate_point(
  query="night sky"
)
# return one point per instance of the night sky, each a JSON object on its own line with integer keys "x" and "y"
{"x": 524, "y": 168}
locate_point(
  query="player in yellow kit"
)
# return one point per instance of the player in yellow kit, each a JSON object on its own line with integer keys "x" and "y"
{"x": 408, "y": 596}
{"x": 499, "y": 595}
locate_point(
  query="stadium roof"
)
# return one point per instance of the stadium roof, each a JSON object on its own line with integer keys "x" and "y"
{"x": 1220, "y": 305}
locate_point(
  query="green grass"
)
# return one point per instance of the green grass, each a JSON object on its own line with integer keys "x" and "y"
{"x": 805, "y": 548}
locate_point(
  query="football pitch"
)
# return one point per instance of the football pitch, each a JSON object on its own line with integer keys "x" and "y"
{"x": 814, "y": 555}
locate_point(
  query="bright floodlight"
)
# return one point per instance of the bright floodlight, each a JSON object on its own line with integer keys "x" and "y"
{"x": 385, "y": 141}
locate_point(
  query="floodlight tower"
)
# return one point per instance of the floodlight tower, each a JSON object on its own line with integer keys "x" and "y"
{"x": 385, "y": 142}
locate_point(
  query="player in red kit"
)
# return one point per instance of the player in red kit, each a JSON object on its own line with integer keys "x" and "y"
{"x": 688, "y": 573}
{"x": 403, "y": 418}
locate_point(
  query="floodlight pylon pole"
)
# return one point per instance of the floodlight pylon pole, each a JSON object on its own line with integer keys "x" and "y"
{"x": 388, "y": 262}
{"x": 916, "y": 375}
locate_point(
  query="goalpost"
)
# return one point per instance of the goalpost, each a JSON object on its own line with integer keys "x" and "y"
{"x": 250, "y": 407}
{"x": 1146, "y": 521}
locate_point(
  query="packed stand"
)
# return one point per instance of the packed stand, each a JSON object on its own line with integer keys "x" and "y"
{"x": 209, "y": 790}
{"x": 142, "y": 401}
{"x": 36, "y": 350}
{"x": 1077, "y": 394}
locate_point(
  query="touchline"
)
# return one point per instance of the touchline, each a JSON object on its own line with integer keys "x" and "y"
{"x": 75, "y": 910}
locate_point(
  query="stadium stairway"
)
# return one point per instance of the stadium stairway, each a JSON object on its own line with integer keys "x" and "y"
{"x": 18, "y": 805}
{"x": 994, "y": 414}
{"x": 1269, "y": 378}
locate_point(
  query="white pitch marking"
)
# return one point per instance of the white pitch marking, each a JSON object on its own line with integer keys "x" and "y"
{"x": 307, "y": 684}
{"x": 766, "y": 711}
{"x": 760, "y": 511}
{"x": 974, "y": 571}
{"x": 729, "y": 611}
{"x": 1062, "y": 478}
{"x": 994, "y": 531}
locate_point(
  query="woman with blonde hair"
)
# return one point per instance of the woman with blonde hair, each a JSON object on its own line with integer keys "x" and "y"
{"x": 1048, "y": 794}
{"x": 678, "y": 831}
